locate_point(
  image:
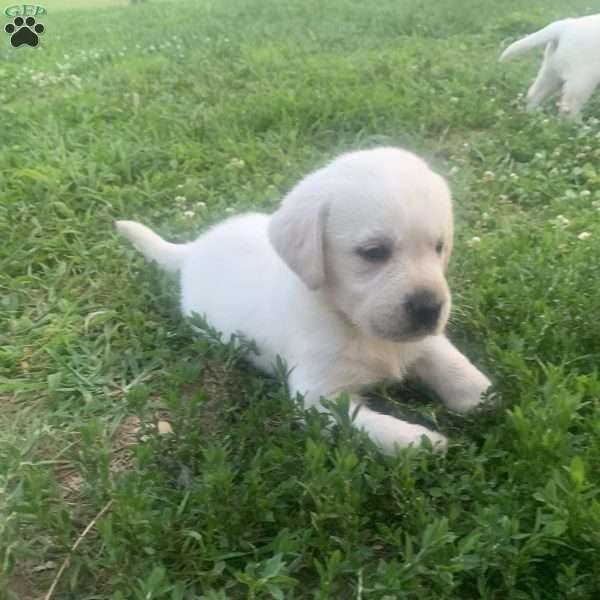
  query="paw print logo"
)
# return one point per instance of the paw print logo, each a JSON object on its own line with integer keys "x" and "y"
{"x": 24, "y": 31}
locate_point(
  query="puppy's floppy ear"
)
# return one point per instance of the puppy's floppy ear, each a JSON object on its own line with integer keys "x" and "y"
{"x": 297, "y": 230}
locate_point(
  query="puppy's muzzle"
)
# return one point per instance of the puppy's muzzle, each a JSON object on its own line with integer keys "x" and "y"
{"x": 423, "y": 309}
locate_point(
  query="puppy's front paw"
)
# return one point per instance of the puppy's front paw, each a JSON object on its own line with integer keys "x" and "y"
{"x": 415, "y": 435}
{"x": 390, "y": 434}
{"x": 469, "y": 395}
{"x": 438, "y": 441}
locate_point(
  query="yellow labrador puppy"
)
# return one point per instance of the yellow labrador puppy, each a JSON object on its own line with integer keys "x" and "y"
{"x": 345, "y": 282}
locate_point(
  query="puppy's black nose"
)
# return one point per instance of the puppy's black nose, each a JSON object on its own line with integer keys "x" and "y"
{"x": 424, "y": 308}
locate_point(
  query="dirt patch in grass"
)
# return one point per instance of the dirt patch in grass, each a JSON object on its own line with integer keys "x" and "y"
{"x": 30, "y": 580}
{"x": 220, "y": 385}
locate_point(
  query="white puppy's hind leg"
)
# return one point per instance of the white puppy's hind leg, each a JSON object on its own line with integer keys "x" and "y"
{"x": 546, "y": 83}
{"x": 576, "y": 92}
{"x": 450, "y": 374}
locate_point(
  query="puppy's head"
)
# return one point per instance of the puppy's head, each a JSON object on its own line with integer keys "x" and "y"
{"x": 373, "y": 231}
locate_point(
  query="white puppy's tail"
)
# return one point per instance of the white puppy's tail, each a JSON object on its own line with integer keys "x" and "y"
{"x": 152, "y": 246}
{"x": 551, "y": 33}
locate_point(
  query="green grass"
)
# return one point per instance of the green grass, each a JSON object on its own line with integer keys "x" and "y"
{"x": 59, "y": 5}
{"x": 123, "y": 110}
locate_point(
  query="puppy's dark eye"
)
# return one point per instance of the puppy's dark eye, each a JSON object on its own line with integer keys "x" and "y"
{"x": 439, "y": 247}
{"x": 375, "y": 253}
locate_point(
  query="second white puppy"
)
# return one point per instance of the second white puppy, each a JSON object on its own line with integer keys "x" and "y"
{"x": 571, "y": 61}
{"x": 345, "y": 282}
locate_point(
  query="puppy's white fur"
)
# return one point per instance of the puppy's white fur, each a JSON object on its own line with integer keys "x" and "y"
{"x": 300, "y": 285}
{"x": 571, "y": 61}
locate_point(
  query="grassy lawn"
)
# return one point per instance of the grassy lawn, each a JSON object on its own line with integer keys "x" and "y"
{"x": 177, "y": 470}
{"x": 60, "y": 5}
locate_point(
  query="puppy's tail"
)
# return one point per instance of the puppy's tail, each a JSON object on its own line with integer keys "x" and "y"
{"x": 152, "y": 246}
{"x": 551, "y": 33}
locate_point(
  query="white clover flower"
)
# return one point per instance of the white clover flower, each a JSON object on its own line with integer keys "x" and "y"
{"x": 488, "y": 175}
{"x": 188, "y": 213}
{"x": 237, "y": 163}
{"x": 474, "y": 241}
{"x": 584, "y": 235}
{"x": 201, "y": 205}
{"x": 585, "y": 193}
{"x": 562, "y": 220}
{"x": 180, "y": 200}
